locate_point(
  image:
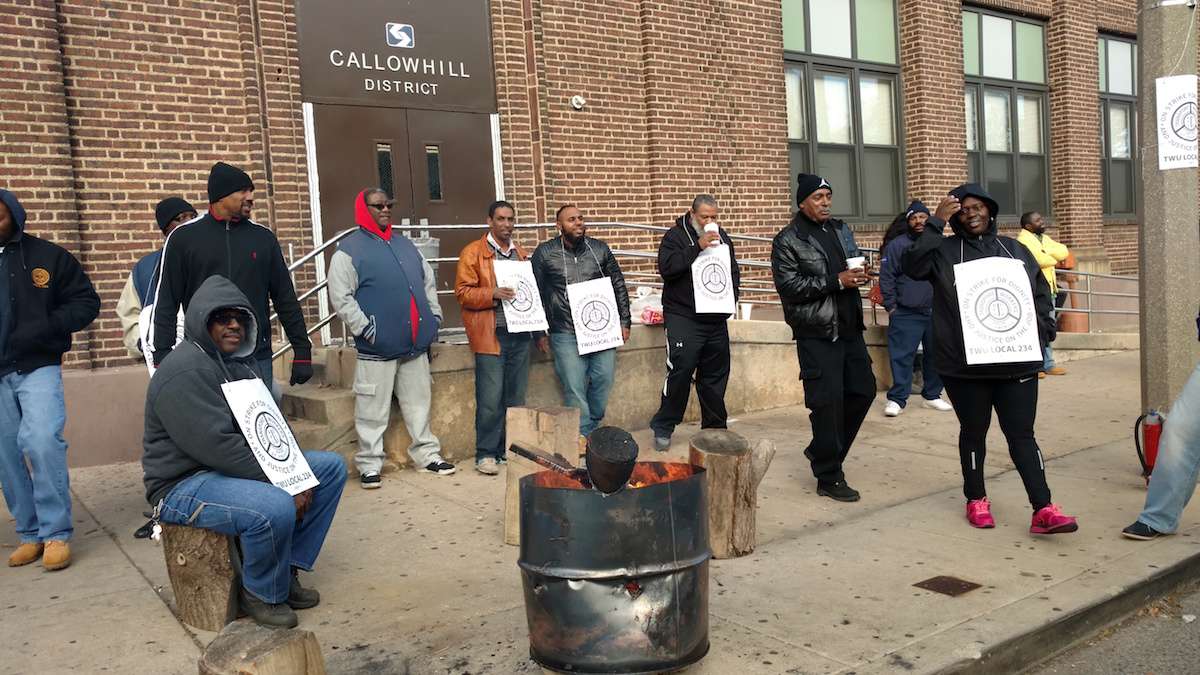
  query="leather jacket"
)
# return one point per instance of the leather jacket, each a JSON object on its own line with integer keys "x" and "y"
{"x": 805, "y": 277}
{"x": 555, "y": 266}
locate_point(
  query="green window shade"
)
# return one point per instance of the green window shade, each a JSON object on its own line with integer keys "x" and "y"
{"x": 1031, "y": 62}
{"x": 793, "y": 25}
{"x": 970, "y": 27}
{"x": 1102, "y": 57}
{"x": 794, "y": 86}
{"x": 875, "y": 22}
{"x": 831, "y": 27}
{"x": 997, "y": 47}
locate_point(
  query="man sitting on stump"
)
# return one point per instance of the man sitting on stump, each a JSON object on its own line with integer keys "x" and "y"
{"x": 200, "y": 471}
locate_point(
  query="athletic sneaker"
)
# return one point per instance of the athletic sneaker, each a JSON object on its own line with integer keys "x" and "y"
{"x": 488, "y": 466}
{"x": 1050, "y": 520}
{"x": 440, "y": 467}
{"x": 662, "y": 443}
{"x": 937, "y": 404}
{"x": 370, "y": 480}
{"x": 979, "y": 514}
{"x": 1141, "y": 532}
{"x": 892, "y": 409}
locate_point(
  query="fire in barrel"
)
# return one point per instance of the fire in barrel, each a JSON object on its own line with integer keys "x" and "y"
{"x": 616, "y": 582}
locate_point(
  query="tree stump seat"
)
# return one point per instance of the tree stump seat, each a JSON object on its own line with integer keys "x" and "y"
{"x": 734, "y": 471}
{"x": 245, "y": 648}
{"x": 205, "y": 571}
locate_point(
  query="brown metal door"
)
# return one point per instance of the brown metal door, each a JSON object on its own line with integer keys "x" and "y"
{"x": 452, "y": 183}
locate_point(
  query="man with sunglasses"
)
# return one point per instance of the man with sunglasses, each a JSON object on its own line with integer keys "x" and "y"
{"x": 384, "y": 291}
{"x": 199, "y": 470}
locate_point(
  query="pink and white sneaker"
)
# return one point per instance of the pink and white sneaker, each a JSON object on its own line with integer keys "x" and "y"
{"x": 1050, "y": 520}
{"x": 979, "y": 514}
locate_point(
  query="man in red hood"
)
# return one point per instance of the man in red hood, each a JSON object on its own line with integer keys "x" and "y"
{"x": 384, "y": 291}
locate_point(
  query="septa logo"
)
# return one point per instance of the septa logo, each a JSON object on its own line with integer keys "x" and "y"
{"x": 401, "y": 35}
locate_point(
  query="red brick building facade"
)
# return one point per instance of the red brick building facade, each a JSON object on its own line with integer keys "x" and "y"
{"x": 107, "y": 107}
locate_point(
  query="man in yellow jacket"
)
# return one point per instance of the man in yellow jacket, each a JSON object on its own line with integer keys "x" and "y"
{"x": 1048, "y": 253}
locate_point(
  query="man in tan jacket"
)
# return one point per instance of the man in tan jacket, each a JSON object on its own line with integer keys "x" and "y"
{"x": 501, "y": 357}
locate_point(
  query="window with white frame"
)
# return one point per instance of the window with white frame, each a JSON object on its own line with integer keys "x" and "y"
{"x": 842, "y": 82}
{"x": 1005, "y": 101}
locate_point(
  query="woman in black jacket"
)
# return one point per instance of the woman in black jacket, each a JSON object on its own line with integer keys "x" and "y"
{"x": 1010, "y": 388}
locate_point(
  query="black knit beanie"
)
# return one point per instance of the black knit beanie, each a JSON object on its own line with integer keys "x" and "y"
{"x": 224, "y": 180}
{"x": 170, "y": 208}
{"x": 807, "y": 183}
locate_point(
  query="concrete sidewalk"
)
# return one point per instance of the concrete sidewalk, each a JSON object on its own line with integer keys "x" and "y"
{"x": 415, "y": 577}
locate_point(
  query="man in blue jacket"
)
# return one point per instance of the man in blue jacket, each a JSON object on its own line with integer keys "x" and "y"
{"x": 384, "y": 291}
{"x": 139, "y": 287}
{"x": 44, "y": 297}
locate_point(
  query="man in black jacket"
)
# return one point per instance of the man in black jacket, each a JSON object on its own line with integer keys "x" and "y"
{"x": 697, "y": 343}
{"x": 225, "y": 241}
{"x": 822, "y": 305}
{"x": 199, "y": 470}
{"x": 44, "y": 297}
{"x": 572, "y": 258}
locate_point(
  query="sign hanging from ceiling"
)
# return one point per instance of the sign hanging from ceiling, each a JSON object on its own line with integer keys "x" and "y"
{"x": 397, "y": 54}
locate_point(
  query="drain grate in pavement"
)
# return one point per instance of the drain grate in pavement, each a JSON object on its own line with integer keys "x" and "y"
{"x": 952, "y": 586}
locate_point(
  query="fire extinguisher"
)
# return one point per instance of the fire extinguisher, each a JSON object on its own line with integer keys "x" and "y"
{"x": 1147, "y": 430}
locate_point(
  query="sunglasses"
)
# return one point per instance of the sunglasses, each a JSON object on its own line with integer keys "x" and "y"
{"x": 382, "y": 205}
{"x": 226, "y": 318}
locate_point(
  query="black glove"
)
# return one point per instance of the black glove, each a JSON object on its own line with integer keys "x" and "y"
{"x": 301, "y": 372}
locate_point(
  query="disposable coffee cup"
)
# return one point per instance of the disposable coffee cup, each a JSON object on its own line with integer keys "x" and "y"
{"x": 855, "y": 262}
{"x": 712, "y": 227}
{"x": 745, "y": 307}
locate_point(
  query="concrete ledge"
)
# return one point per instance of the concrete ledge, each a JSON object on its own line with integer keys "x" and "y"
{"x": 1096, "y": 341}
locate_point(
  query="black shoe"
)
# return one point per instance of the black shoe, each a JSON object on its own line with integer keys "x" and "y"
{"x": 266, "y": 614}
{"x": 1141, "y": 532}
{"x": 370, "y": 481}
{"x": 440, "y": 468}
{"x": 839, "y": 491}
{"x": 300, "y": 597}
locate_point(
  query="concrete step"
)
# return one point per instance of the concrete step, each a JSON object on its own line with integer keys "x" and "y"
{"x": 312, "y": 435}
{"x": 318, "y": 403}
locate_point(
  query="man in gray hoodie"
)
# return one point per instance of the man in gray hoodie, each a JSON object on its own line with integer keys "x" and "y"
{"x": 199, "y": 469}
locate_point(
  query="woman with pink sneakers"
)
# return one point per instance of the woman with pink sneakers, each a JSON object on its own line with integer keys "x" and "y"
{"x": 976, "y": 389}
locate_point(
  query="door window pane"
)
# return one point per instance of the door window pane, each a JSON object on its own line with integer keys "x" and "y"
{"x": 881, "y": 173}
{"x": 831, "y": 96}
{"x": 970, "y": 28}
{"x": 878, "y": 119}
{"x": 836, "y": 165}
{"x": 997, "y": 47}
{"x": 831, "y": 27}
{"x": 1029, "y": 123}
{"x": 796, "y": 109}
{"x": 1120, "y": 67}
{"x": 971, "y": 106}
{"x": 1119, "y": 131}
{"x": 1033, "y": 184}
{"x": 1030, "y": 55}
{"x": 875, "y": 22}
{"x": 433, "y": 164}
{"x": 383, "y": 164}
{"x": 997, "y": 119}
{"x": 999, "y": 172}
{"x": 793, "y": 25}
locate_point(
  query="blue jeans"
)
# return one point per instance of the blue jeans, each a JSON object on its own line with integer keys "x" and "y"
{"x": 263, "y": 518}
{"x": 1047, "y": 351}
{"x": 32, "y": 417}
{"x": 906, "y": 330}
{"x": 500, "y": 382}
{"x": 586, "y": 380}
{"x": 1174, "y": 478}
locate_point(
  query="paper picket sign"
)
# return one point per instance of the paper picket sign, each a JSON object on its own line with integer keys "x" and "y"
{"x": 145, "y": 323}
{"x": 995, "y": 305}
{"x": 268, "y": 435}
{"x": 712, "y": 281}
{"x": 523, "y": 313}
{"x": 595, "y": 316}
{"x": 1175, "y": 112}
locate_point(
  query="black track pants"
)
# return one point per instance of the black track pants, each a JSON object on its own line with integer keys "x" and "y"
{"x": 1015, "y": 402}
{"x": 839, "y": 387}
{"x": 702, "y": 349}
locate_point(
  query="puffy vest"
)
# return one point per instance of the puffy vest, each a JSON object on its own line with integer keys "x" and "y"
{"x": 145, "y": 274}
{"x": 391, "y": 277}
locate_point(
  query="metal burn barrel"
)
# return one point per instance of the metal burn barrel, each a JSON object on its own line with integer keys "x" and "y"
{"x": 616, "y": 583}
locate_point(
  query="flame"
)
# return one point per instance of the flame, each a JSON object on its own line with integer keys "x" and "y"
{"x": 644, "y": 474}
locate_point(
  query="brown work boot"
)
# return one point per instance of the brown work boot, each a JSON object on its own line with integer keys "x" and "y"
{"x": 57, "y": 555}
{"x": 1056, "y": 370}
{"x": 25, "y": 554}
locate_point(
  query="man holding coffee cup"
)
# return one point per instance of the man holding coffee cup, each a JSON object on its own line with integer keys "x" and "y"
{"x": 818, "y": 276}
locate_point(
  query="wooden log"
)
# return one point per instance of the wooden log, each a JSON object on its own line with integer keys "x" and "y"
{"x": 204, "y": 568}
{"x": 550, "y": 429}
{"x": 734, "y": 471}
{"x": 246, "y": 648}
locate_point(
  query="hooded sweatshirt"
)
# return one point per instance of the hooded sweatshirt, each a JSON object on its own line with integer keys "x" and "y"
{"x": 189, "y": 425}
{"x": 933, "y": 257}
{"x": 44, "y": 297}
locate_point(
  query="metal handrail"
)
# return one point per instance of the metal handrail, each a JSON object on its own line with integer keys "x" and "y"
{"x": 318, "y": 326}
{"x": 297, "y": 264}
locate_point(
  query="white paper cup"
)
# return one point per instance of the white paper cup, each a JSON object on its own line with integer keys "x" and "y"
{"x": 746, "y": 307}
{"x": 855, "y": 262}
